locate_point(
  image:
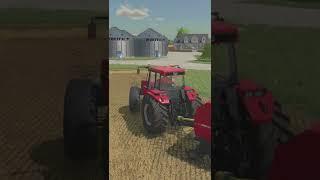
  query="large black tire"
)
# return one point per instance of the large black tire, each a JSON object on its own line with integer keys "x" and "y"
{"x": 79, "y": 122}
{"x": 134, "y": 99}
{"x": 154, "y": 115}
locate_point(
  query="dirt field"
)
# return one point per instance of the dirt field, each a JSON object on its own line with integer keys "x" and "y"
{"x": 136, "y": 155}
{"x": 35, "y": 68}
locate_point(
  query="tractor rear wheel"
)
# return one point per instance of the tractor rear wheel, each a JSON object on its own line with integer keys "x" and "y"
{"x": 79, "y": 122}
{"x": 134, "y": 99}
{"x": 154, "y": 115}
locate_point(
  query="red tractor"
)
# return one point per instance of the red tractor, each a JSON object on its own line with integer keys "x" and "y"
{"x": 165, "y": 97}
{"x": 167, "y": 101}
{"x": 248, "y": 121}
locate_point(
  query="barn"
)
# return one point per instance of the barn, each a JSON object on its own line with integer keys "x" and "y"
{"x": 121, "y": 43}
{"x": 151, "y": 43}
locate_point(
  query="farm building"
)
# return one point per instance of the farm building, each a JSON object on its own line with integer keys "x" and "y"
{"x": 149, "y": 43}
{"x": 121, "y": 43}
{"x": 190, "y": 41}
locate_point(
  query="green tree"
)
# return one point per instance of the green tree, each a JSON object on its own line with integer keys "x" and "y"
{"x": 206, "y": 52}
{"x": 182, "y": 30}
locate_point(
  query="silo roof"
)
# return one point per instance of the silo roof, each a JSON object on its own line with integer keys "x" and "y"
{"x": 116, "y": 32}
{"x": 151, "y": 33}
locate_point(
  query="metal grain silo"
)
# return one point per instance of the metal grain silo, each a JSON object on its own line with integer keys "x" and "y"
{"x": 150, "y": 43}
{"x": 121, "y": 43}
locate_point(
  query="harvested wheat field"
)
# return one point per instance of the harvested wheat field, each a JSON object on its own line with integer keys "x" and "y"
{"x": 133, "y": 154}
{"x": 35, "y": 67}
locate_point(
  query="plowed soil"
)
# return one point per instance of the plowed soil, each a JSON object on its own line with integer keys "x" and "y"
{"x": 134, "y": 154}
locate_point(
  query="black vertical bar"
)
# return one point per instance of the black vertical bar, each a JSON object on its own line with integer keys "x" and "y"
{"x": 233, "y": 68}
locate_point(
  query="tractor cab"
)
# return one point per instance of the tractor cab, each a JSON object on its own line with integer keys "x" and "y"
{"x": 163, "y": 78}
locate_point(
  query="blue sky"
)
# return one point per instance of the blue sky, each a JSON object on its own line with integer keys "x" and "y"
{"x": 164, "y": 16}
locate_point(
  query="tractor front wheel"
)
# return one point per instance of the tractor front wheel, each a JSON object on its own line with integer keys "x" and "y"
{"x": 155, "y": 116}
{"x": 134, "y": 99}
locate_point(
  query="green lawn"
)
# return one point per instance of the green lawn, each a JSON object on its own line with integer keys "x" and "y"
{"x": 309, "y": 4}
{"x": 39, "y": 17}
{"x": 114, "y": 67}
{"x": 198, "y": 79}
{"x": 285, "y": 60}
{"x": 201, "y": 61}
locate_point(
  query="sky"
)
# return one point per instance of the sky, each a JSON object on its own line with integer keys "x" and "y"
{"x": 164, "y": 16}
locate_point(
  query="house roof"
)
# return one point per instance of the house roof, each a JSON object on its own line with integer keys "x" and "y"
{"x": 181, "y": 37}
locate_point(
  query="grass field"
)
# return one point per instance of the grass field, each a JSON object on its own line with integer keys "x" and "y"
{"x": 200, "y": 80}
{"x": 285, "y": 60}
{"x": 309, "y": 4}
{"x": 115, "y": 67}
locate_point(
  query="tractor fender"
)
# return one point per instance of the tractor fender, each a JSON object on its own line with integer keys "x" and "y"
{"x": 159, "y": 96}
{"x": 202, "y": 122}
{"x": 190, "y": 93}
{"x": 260, "y": 108}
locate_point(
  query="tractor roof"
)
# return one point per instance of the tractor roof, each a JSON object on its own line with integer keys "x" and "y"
{"x": 222, "y": 31}
{"x": 167, "y": 70}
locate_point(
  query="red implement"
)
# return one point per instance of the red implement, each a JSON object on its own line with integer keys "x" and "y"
{"x": 299, "y": 158}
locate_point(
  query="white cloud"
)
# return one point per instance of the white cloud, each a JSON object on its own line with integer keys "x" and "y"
{"x": 159, "y": 19}
{"x": 132, "y": 13}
